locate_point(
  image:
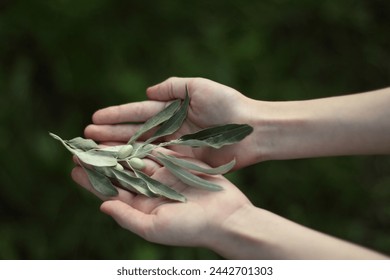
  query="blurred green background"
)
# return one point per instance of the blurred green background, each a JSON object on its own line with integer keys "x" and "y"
{"x": 60, "y": 60}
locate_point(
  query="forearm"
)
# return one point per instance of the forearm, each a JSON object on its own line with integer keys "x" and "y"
{"x": 253, "y": 233}
{"x": 346, "y": 125}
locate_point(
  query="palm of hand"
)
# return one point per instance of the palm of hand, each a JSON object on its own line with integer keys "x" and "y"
{"x": 193, "y": 223}
{"x": 189, "y": 223}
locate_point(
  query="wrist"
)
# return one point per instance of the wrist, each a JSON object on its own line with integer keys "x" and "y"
{"x": 254, "y": 233}
{"x": 291, "y": 129}
{"x": 277, "y": 127}
{"x": 237, "y": 237}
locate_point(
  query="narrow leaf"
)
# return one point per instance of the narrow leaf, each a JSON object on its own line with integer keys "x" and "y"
{"x": 96, "y": 158}
{"x": 111, "y": 151}
{"x": 216, "y": 137}
{"x": 82, "y": 144}
{"x": 159, "y": 188}
{"x": 189, "y": 178}
{"x": 141, "y": 150}
{"x": 100, "y": 183}
{"x": 105, "y": 170}
{"x": 174, "y": 123}
{"x": 56, "y": 137}
{"x": 72, "y": 150}
{"x": 132, "y": 183}
{"x": 156, "y": 120}
{"x": 192, "y": 166}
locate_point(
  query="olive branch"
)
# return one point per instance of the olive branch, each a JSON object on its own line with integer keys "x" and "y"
{"x": 104, "y": 166}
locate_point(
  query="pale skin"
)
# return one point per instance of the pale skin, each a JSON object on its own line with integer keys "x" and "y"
{"x": 227, "y": 222}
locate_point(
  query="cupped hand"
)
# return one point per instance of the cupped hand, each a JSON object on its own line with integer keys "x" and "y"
{"x": 211, "y": 104}
{"x": 196, "y": 222}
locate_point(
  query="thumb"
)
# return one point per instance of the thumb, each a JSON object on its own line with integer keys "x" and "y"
{"x": 172, "y": 88}
{"x": 128, "y": 217}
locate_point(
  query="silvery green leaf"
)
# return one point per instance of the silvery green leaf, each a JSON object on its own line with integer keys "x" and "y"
{"x": 111, "y": 150}
{"x": 159, "y": 188}
{"x": 189, "y": 178}
{"x": 80, "y": 143}
{"x": 174, "y": 123}
{"x": 56, "y": 137}
{"x": 96, "y": 158}
{"x": 156, "y": 120}
{"x": 192, "y": 166}
{"x": 216, "y": 137}
{"x": 72, "y": 150}
{"x": 100, "y": 183}
{"x": 132, "y": 183}
{"x": 141, "y": 150}
{"x": 105, "y": 170}
{"x": 76, "y": 144}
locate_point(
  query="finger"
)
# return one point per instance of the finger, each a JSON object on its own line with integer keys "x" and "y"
{"x": 170, "y": 89}
{"x": 128, "y": 217}
{"x": 131, "y": 112}
{"x": 110, "y": 133}
{"x": 111, "y": 143}
{"x": 119, "y": 133}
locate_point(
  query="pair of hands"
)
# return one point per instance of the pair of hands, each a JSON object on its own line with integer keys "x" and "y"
{"x": 199, "y": 221}
{"x": 226, "y": 222}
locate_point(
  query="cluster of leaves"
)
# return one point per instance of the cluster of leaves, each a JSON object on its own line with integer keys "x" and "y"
{"x": 105, "y": 165}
